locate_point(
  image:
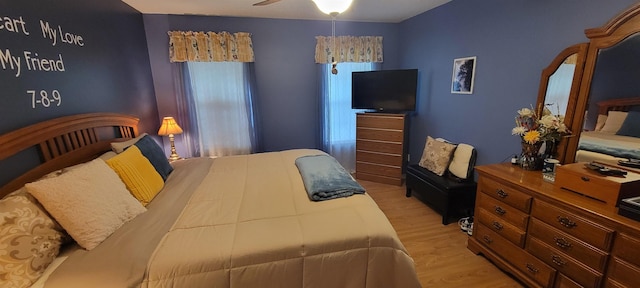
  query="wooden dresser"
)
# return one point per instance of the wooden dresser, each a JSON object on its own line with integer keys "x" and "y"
{"x": 550, "y": 237}
{"x": 381, "y": 149}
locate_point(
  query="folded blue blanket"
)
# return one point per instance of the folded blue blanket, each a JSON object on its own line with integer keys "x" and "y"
{"x": 324, "y": 178}
{"x": 620, "y": 152}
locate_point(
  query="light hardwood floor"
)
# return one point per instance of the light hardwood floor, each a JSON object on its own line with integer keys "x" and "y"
{"x": 440, "y": 252}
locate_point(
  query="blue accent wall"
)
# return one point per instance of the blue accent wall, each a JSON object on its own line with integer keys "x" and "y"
{"x": 105, "y": 71}
{"x": 108, "y": 71}
{"x": 513, "y": 41}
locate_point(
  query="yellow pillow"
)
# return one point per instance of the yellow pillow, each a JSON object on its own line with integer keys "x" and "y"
{"x": 137, "y": 173}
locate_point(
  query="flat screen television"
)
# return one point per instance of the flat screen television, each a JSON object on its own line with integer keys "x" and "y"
{"x": 385, "y": 90}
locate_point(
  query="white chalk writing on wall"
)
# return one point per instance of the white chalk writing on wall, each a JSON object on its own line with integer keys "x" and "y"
{"x": 28, "y": 60}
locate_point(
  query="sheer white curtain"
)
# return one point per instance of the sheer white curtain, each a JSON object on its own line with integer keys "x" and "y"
{"x": 221, "y": 97}
{"x": 559, "y": 88}
{"x": 339, "y": 120}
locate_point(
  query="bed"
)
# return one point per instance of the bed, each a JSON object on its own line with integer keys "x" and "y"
{"x": 237, "y": 221}
{"x": 615, "y": 136}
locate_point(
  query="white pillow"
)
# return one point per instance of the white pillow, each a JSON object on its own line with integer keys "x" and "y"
{"x": 462, "y": 158}
{"x": 118, "y": 147}
{"x": 614, "y": 122}
{"x": 600, "y": 122}
{"x": 90, "y": 203}
{"x": 107, "y": 155}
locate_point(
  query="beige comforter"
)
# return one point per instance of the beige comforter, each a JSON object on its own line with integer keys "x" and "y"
{"x": 247, "y": 223}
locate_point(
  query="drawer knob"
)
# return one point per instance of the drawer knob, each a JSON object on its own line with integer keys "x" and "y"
{"x": 487, "y": 239}
{"x": 557, "y": 260}
{"x": 562, "y": 243}
{"x": 532, "y": 268}
{"x": 501, "y": 193}
{"x": 566, "y": 222}
{"x": 497, "y": 225}
{"x": 499, "y": 210}
{"x": 585, "y": 178}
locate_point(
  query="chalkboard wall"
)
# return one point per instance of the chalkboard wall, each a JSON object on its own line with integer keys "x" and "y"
{"x": 66, "y": 57}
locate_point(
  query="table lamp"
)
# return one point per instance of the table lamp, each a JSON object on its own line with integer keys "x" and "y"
{"x": 169, "y": 127}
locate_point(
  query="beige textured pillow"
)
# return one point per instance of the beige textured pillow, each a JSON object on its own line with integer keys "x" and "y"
{"x": 105, "y": 156}
{"x": 436, "y": 156}
{"x": 614, "y": 122}
{"x": 29, "y": 239}
{"x": 90, "y": 203}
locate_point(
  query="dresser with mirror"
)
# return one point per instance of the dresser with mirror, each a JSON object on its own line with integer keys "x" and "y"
{"x": 588, "y": 80}
{"x": 541, "y": 233}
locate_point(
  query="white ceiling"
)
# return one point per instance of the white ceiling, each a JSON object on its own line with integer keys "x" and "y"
{"x": 389, "y": 11}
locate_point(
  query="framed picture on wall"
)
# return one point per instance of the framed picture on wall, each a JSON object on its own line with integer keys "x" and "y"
{"x": 464, "y": 70}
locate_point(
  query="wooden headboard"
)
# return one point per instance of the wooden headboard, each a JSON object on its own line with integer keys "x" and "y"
{"x": 620, "y": 104}
{"x": 65, "y": 141}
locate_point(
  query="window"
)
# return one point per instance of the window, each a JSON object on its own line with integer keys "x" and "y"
{"x": 338, "y": 119}
{"x": 222, "y": 107}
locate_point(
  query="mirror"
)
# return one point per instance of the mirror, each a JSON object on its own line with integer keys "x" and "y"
{"x": 610, "y": 76}
{"x": 560, "y": 84}
{"x": 615, "y": 76}
{"x": 613, "y": 87}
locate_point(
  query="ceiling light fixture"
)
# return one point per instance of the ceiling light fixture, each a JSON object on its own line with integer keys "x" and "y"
{"x": 333, "y": 7}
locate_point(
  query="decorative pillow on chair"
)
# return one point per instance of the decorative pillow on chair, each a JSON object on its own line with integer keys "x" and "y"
{"x": 29, "y": 239}
{"x": 436, "y": 156}
{"x": 614, "y": 122}
{"x": 631, "y": 125}
{"x": 464, "y": 158}
{"x": 137, "y": 173}
{"x": 90, "y": 203}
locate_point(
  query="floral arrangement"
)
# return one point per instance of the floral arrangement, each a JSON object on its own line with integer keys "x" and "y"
{"x": 534, "y": 129}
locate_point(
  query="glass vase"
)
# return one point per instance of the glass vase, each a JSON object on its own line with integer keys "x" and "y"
{"x": 531, "y": 159}
{"x": 550, "y": 149}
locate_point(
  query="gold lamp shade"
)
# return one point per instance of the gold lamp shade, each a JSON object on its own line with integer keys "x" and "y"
{"x": 169, "y": 127}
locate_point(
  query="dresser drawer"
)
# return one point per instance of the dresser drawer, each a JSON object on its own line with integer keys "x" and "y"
{"x": 503, "y": 211}
{"x": 537, "y": 270}
{"x": 577, "y": 271}
{"x": 379, "y": 146}
{"x": 610, "y": 190}
{"x": 570, "y": 245}
{"x": 379, "y": 158}
{"x": 380, "y": 134}
{"x": 501, "y": 227}
{"x": 574, "y": 225}
{"x": 379, "y": 178}
{"x": 627, "y": 248}
{"x": 566, "y": 282}
{"x": 380, "y": 121}
{"x": 613, "y": 284}
{"x": 505, "y": 193}
{"x": 624, "y": 273}
{"x": 377, "y": 169}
